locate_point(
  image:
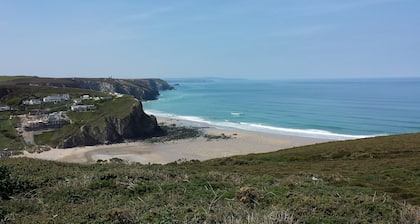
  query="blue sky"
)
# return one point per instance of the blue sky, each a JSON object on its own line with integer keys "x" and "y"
{"x": 219, "y": 38}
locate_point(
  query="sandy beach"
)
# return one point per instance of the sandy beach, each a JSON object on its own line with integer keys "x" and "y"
{"x": 240, "y": 143}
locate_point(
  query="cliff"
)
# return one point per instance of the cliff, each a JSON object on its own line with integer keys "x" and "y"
{"x": 113, "y": 127}
{"x": 112, "y": 121}
{"x": 142, "y": 89}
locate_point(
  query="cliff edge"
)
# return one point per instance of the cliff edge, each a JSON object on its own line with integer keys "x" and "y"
{"x": 114, "y": 127}
{"x": 142, "y": 89}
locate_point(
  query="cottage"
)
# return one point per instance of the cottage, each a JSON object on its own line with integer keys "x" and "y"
{"x": 51, "y": 99}
{"x": 56, "y": 99}
{"x": 4, "y": 108}
{"x": 32, "y": 102}
{"x": 82, "y": 108}
{"x": 65, "y": 97}
{"x": 77, "y": 101}
{"x": 44, "y": 121}
{"x": 86, "y": 97}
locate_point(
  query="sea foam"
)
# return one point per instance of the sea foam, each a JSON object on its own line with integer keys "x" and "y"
{"x": 311, "y": 133}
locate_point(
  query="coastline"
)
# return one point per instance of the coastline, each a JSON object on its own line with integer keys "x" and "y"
{"x": 238, "y": 142}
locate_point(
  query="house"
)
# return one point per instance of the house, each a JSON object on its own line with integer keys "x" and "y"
{"x": 56, "y": 99}
{"x": 52, "y": 99}
{"x": 32, "y": 102}
{"x": 82, "y": 108}
{"x": 44, "y": 121}
{"x": 4, "y": 108}
{"x": 77, "y": 101}
{"x": 65, "y": 97}
{"x": 86, "y": 97}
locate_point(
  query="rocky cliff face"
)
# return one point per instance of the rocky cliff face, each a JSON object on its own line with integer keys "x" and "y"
{"x": 142, "y": 89}
{"x": 106, "y": 127}
{"x": 136, "y": 125}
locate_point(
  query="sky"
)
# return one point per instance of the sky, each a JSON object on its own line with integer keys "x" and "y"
{"x": 255, "y": 39}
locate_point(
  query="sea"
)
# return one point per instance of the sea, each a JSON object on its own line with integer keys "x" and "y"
{"x": 334, "y": 109}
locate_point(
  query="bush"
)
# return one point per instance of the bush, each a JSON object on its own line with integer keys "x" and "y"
{"x": 248, "y": 195}
{"x": 6, "y": 184}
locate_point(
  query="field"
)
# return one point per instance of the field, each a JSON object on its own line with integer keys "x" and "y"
{"x": 362, "y": 181}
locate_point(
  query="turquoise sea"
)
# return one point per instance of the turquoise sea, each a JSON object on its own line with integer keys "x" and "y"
{"x": 332, "y": 109}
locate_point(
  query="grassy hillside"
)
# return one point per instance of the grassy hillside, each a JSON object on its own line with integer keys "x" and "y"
{"x": 387, "y": 164}
{"x": 9, "y": 139}
{"x": 363, "y": 181}
{"x": 10, "y": 78}
{"x": 13, "y": 95}
{"x": 117, "y": 107}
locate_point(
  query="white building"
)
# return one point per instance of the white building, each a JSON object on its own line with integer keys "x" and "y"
{"x": 82, "y": 108}
{"x": 86, "y": 97}
{"x": 32, "y": 102}
{"x": 77, "y": 101}
{"x": 52, "y": 99}
{"x": 65, "y": 96}
{"x": 4, "y": 108}
{"x": 56, "y": 99}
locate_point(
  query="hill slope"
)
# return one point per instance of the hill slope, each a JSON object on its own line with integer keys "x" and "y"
{"x": 360, "y": 181}
{"x": 112, "y": 120}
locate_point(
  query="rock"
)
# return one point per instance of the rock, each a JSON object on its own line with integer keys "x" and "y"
{"x": 142, "y": 89}
{"x": 136, "y": 125}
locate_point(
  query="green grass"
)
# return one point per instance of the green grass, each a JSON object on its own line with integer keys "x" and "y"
{"x": 385, "y": 164}
{"x": 9, "y": 78}
{"x": 8, "y": 136}
{"x": 116, "y": 108}
{"x": 362, "y": 181}
{"x": 120, "y": 193}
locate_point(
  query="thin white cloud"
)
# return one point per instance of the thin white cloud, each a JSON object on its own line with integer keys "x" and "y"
{"x": 145, "y": 15}
{"x": 301, "y": 31}
{"x": 326, "y": 7}
{"x": 357, "y": 4}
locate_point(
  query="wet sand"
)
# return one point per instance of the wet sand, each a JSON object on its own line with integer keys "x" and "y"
{"x": 240, "y": 143}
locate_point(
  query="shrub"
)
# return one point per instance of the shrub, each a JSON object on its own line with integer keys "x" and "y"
{"x": 6, "y": 186}
{"x": 248, "y": 195}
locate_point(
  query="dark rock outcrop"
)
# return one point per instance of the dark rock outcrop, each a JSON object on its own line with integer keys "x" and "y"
{"x": 136, "y": 125}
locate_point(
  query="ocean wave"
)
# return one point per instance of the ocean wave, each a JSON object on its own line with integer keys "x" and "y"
{"x": 312, "y": 133}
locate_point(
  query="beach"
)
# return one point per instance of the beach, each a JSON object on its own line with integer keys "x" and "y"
{"x": 238, "y": 142}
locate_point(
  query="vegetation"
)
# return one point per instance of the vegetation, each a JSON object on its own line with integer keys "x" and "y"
{"x": 339, "y": 182}
{"x": 116, "y": 108}
{"x": 385, "y": 164}
{"x": 9, "y": 139}
{"x": 372, "y": 180}
{"x": 9, "y": 78}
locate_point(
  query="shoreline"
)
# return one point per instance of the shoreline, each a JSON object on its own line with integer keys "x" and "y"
{"x": 238, "y": 142}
